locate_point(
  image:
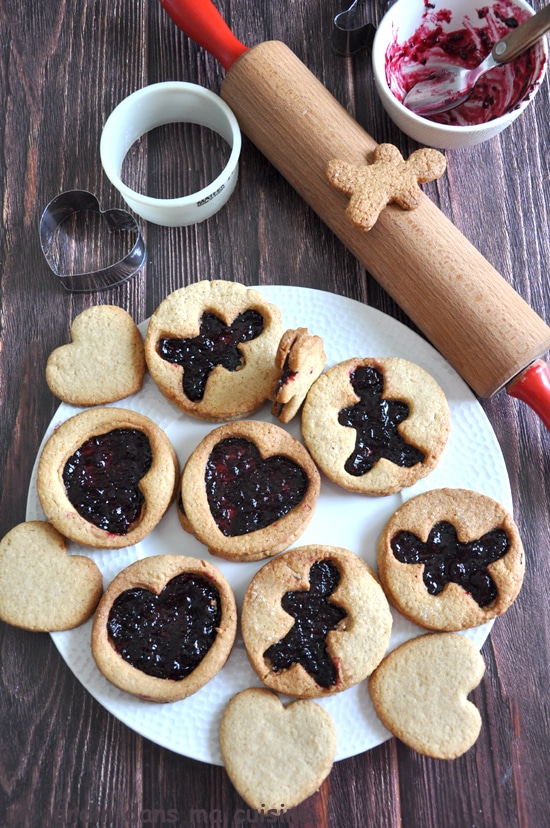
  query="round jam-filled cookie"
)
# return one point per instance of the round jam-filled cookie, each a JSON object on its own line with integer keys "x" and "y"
{"x": 210, "y": 348}
{"x": 42, "y": 587}
{"x": 106, "y": 477}
{"x": 315, "y": 621}
{"x": 248, "y": 490}
{"x": 164, "y": 627}
{"x": 450, "y": 559}
{"x": 420, "y": 692}
{"x": 376, "y": 425}
{"x": 105, "y": 361}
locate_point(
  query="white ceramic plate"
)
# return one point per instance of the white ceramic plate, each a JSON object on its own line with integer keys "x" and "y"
{"x": 472, "y": 459}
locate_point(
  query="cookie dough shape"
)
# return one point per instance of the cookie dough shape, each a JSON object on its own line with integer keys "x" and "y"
{"x": 421, "y": 434}
{"x": 355, "y": 644}
{"x": 42, "y": 588}
{"x": 276, "y": 756}
{"x": 246, "y": 487}
{"x": 153, "y": 574}
{"x": 227, "y": 394}
{"x": 472, "y": 515}
{"x": 420, "y": 691}
{"x": 300, "y": 360}
{"x": 104, "y": 362}
{"x": 157, "y": 486}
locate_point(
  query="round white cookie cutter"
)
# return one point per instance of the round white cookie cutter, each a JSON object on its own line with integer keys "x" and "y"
{"x": 157, "y": 105}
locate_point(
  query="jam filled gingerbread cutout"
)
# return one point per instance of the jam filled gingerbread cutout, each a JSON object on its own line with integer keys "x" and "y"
{"x": 447, "y": 560}
{"x": 375, "y": 420}
{"x": 315, "y": 615}
{"x": 388, "y": 179}
{"x": 216, "y": 344}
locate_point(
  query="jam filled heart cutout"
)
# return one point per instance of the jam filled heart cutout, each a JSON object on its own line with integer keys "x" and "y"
{"x": 101, "y": 478}
{"x": 166, "y": 635}
{"x": 246, "y": 492}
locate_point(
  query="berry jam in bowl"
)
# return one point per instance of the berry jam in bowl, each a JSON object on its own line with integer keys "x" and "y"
{"x": 416, "y": 34}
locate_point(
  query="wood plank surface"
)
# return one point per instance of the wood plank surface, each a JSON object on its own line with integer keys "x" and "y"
{"x": 64, "y": 66}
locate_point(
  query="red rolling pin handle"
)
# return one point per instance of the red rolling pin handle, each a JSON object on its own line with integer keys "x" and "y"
{"x": 532, "y": 386}
{"x": 203, "y": 23}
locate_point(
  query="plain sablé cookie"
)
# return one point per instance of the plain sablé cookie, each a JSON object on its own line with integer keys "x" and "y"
{"x": 376, "y": 425}
{"x": 450, "y": 559}
{"x": 103, "y": 363}
{"x": 42, "y": 587}
{"x": 420, "y": 691}
{"x": 276, "y": 756}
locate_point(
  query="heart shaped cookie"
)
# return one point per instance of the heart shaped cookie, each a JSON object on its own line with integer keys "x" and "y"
{"x": 105, "y": 361}
{"x": 276, "y": 756}
{"x": 420, "y": 693}
{"x": 42, "y": 588}
{"x": 248, "y": 490}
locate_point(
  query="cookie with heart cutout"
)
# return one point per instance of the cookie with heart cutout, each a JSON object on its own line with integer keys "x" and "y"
{"x": 210, "y": 348}
{"x": 164, "y": 627}
{"x": 315, "y": 621}
{"x": 42, "y": 587}
{"x": 450, "y": 559}
{"x": 104, "y": 362}
{"x": 248, "y": 490}
{"x": 420, "y": 691}
{"x": 376, "y": 425}
{"x": 276, "y": 756}
{"x": 106, "y": 476}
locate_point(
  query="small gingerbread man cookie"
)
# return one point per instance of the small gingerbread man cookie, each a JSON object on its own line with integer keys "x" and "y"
{"x": 388, "y": 179}
{"x": 300, "y": 359}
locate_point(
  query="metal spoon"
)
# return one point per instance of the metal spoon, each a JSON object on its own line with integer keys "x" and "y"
{"x": 448, "y": 86}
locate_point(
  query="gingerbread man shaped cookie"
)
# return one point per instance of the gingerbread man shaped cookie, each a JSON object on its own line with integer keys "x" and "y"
{"x": 388, "y": 179}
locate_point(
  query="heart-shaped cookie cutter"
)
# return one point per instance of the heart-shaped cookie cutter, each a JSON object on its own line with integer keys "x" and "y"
{"x": 68, "y": 204}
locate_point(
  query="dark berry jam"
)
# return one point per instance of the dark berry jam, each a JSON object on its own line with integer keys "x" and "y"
{"x": 166, "y": 635}
{"x": 314, "y": 617}
{"x": 376, "y": 420}
{"x": 245, "y": 492}
{"x": 446, "y": 560}
{"x": 102, "y": 476}
{"x": 216, "y": 344}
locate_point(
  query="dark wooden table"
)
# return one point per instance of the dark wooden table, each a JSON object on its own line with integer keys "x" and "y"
{"x": 64, "y": 66}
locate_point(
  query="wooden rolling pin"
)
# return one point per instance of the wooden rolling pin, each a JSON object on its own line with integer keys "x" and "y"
{"x": 469, "y": 312}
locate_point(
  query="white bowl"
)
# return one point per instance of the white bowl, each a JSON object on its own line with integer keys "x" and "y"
{"x": 407, "y": 17}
